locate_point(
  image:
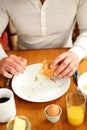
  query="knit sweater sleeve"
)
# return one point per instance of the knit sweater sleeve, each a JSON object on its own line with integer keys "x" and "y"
{"x": 80, "y": 45}
{"x": 2, "y": 52}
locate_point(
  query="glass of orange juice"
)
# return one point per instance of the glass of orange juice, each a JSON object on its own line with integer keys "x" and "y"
{"x": 75, "y": 104}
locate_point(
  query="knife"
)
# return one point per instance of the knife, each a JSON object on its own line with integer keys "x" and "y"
{"x": 7, "y": 82}
{"x": 75, "y": 76}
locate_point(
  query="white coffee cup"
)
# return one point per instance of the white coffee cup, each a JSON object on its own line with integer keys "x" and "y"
{"x": 7, "y": 108}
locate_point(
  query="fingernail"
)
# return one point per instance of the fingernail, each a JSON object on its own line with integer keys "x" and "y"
{"x": 55, "y": 74}
{"x": 51, "y": 66}
{"x": 25, "y": 62}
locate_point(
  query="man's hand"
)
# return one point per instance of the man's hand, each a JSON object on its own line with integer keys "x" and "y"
{"x": 12, "y": 65}
{"x": 68, "y": 63}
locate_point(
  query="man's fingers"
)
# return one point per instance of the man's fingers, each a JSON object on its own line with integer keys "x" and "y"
{"x": 24, "y": 60}
{"x": 7, "y": 74}
{"x": 58, "y": 60}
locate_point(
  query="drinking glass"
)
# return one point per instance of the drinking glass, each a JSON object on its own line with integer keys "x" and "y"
{"x": 75, "y": 104}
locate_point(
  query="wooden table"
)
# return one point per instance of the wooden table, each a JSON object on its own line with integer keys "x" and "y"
{"x": 35, "y": 111}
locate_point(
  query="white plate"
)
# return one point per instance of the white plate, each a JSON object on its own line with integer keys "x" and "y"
{"x": 32, "y": 86}
{"x": 82, "y": 81}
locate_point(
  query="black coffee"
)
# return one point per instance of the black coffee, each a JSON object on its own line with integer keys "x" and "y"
{"x": 4, "y": 99}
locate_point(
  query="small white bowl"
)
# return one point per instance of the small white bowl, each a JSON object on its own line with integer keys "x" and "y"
{"x": 82, "y": 82}
{"x": 53, "y": 119}
{"x": 10, "y": 123}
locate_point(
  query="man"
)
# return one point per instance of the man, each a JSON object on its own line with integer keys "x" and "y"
{"x": 45, "y": 24}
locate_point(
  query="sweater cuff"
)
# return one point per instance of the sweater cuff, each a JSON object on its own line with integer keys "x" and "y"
{"x": 2, "y": 53}
{"x": 79, "y": 51}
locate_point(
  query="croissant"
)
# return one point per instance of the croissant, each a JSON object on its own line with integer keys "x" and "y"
{"x": 46, "y": 70}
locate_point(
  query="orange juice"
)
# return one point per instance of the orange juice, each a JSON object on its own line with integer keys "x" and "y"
{"x": 75, "y": 115}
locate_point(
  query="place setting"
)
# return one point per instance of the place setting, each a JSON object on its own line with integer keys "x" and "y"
{"x": 46, "y": 100}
